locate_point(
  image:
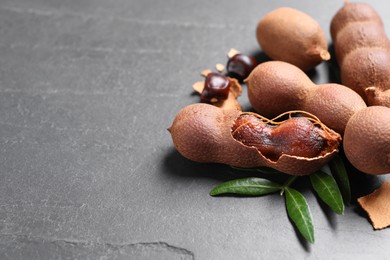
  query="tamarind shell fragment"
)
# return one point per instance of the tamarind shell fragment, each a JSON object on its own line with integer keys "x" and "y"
{"x": 203, "y": 133}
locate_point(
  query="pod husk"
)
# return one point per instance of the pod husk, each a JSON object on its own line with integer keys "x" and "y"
{"x": 377, "y": 206}
{"x": 202, "y": 133}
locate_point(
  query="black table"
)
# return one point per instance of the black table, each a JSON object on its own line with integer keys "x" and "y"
{"x": 88, "y": 169}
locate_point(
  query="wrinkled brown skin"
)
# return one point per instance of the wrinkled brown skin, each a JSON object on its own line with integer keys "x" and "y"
{"x": 202, "y": 133}
{"x": 290, "y": 35}
{"x": 363, "y": 52}
{"x": 275, "y": 87}
{"x": 367, "y": 140}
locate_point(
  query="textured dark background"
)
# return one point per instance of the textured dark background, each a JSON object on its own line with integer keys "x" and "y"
{"x": 87, "y": 167}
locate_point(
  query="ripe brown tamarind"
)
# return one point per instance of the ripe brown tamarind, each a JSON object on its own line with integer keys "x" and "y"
{"x": 275, "y": 87}
{"x": 363, "y": 52}
{"x": 293, "y": 145}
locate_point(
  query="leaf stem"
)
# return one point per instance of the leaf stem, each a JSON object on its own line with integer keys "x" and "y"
{"x": 287, "y": 184}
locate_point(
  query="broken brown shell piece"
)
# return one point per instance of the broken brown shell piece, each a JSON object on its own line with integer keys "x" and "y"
{"x": 203, "y": 133}
{"x": 219, "y": 67}
{"x": 377, "y": 206}
{"x": 225, "y": 101}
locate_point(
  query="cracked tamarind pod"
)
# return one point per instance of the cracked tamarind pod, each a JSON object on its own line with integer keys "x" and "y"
{"x": 363, "y": 52}
{"x": 293, "y": 145}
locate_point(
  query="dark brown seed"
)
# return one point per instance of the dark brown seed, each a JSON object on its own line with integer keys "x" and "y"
{"x": 216, "y": 87}
{"x": 240, "y": 66}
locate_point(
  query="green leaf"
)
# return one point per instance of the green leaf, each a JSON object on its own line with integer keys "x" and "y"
{"x": 339, "y": 172}
{"x": 246, "y": 186}
{"x": 299, "y": 212}
{"x": 327, "y": 189}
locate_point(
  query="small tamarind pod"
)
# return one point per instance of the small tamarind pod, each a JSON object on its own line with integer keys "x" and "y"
{"x": 275, "y": 87}
{"x": 208, "y": 134}
{"x": 363, "y": 52}
{"x": 289, "y": 35}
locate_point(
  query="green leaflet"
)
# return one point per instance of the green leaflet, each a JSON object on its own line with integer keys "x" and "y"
{"x": 327, "y": 189}
{"x": 246, "y": 186}
{"x": 299, "y": 212}
{"x": 340, "y": 174}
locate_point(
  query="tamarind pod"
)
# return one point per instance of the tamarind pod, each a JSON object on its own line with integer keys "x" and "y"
{"x": 363, "y": 52}
{"x": 359, "y": 35}
{"x": 275, "y": 87}
{"x": 353, "y": 12}
{"x": 203, "y": 133}
{"x": 289, "y": 35}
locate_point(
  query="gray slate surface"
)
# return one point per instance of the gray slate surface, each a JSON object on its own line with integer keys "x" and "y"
{"x": 87, "y": 167}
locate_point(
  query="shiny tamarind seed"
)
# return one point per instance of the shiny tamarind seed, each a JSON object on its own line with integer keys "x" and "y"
{"x": 216, "y": 87}
{"x": 240, "y": 66}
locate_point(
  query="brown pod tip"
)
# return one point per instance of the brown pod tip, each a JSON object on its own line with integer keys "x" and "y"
{"x": 319, "y": 54}
{"x": 325, "y": 55}
{"x": 377, "y": 96}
